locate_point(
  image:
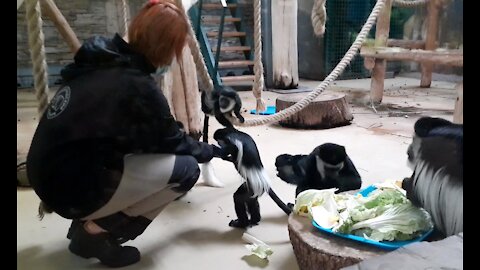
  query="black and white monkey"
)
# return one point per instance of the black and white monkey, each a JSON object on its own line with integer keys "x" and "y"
{"x": 246, "y": 158}
{"x": 327, "y": 166}
{"x": 436, "y": 158}
{"x": 222, "y": 101}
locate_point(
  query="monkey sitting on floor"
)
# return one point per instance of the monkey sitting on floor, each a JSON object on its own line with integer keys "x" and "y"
{"x": 246, "y": 158}
{"x": 327, "y": 166}
{"x": 436, "y": 157}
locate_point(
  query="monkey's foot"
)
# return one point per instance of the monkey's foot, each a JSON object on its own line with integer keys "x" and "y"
{"x": 239, "y": 224}
{"x": 254, "y": 222}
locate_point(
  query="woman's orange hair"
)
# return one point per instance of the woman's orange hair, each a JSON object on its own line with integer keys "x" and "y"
{"x": 159, "y": 31}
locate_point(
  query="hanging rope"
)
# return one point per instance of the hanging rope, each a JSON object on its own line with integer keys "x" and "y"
{"x": 37, "y": 53}
{"x": 205, "y": 82}
{"x": 125, "y": 18}
{"x": 319, "y": 17}
{"x": 352, "y": 51}
{"x": 409, "y": 4}
{"x": 258, "y": 82}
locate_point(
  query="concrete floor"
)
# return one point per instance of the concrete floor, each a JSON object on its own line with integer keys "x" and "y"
{"x": 194, "y": 233}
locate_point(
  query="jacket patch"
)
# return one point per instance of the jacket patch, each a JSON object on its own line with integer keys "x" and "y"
{"x": 59, "y": 102}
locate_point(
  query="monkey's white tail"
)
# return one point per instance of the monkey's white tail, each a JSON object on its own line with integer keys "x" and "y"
{"x": 257, "y": 178}
{"x": 209, "y": 177}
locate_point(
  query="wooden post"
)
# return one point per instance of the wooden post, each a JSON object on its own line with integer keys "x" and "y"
{"x": 381, "y": 37}
{"x": 284, "y": 44}
{"x": 458, "y": 112}
{"x": 431, "y": 40}
{"x": 62, "y": 25}
{"x": 180, "y": 88}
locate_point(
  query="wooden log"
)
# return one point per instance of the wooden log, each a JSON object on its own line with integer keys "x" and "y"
{"x": 439, "y": 57}
{"x": 284, "y": 44}
{"x": 328, "y": 110}
{"x": 431, "y": 40}
{"x": 180, "y": 87}
{"x": 192, "y": 94}
{"x": 381, "y": 37}
{"x": 318, "y": 250}
{"x": 178, "y": 95}
{"x": 458, "y": 112}
{"x": 54, "y": 14}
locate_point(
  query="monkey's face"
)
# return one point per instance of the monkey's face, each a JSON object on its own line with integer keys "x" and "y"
{"x": 327, "y": 170}
{"x": 412, "y": 152}
{"x": 226, "y": 104}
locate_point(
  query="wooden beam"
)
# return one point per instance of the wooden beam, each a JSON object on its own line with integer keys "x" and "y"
{"x": 235, "y": 63}
{"x": 227, "y": 34}
{"x": 233, "y": 79}
{"x": 216, "y": 19}
{"x": 284, "y": 43}
{"x": 381, "y": 37}
{"x": 407, "y": 44}
{"x": 439, "y": 57}
{"x": 51, "y": 10}
{"x": 433, "y": 9}
{"x": 232, "y": 48}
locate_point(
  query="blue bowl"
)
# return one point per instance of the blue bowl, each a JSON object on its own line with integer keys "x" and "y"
{"x": 389, "y": 245}
{"x": 268, "y": 111}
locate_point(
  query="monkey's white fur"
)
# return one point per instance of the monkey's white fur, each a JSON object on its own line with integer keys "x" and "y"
{"x": 445, "y": 206}
{"x": 256, "y": 178}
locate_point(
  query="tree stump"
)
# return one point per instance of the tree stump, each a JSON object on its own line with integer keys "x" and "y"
{"x": 328, "y": 110}
{"x": 318, "y": 250}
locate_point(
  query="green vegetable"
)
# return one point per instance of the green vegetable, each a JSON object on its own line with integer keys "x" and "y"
{"x": 385, "y": 215}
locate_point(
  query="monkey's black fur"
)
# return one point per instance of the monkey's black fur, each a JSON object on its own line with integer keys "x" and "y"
{"x": 246, "y": 158}
{"x": 327, "y": 166}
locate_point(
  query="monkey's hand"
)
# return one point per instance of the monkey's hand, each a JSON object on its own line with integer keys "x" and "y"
{"x": 239, "y": 116}
{"x": 223, "y": 153}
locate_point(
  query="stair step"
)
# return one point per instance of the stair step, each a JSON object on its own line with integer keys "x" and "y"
{"x": 233, "y": 48}
{"x": 217, "y": 6}
{"x": 227, "y": 34}
{"x": 228, "y": 80}
{"x": 235, "y": 63}
{"x": 217, "y": 19}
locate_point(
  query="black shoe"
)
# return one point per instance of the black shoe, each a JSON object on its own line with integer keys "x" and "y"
{"x": 78, "y": 223}
{"x": 73, "y": 227}
{"x": 103, "y": 247}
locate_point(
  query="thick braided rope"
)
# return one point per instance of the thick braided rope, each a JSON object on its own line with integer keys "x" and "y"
{"x": 125, "y": 18}
{"x": 352, "y": 51}
{"x": 409, "y": 4}
{"x": 205, "y": 82}
{"x": 37, "y": 53}
{"x": 319, "y": 17}
{"x": 258, "y": 82}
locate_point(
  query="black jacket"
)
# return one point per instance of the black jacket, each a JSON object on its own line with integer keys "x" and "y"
{"x": 109, "y": 106}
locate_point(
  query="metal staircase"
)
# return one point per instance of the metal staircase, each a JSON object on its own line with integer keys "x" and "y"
{"x": 224, "y": 42}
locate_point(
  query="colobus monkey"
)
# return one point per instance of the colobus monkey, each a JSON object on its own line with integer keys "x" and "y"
{"x": 246, "y": 158}
{"x": 327, "y": 166}
{"x": 222, "y": 101}
{"x": 436, "y": 157}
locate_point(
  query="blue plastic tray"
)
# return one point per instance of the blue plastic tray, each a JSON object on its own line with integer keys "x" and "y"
{"x": 390, "y": 245}
{"x": 268, "y": 111}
